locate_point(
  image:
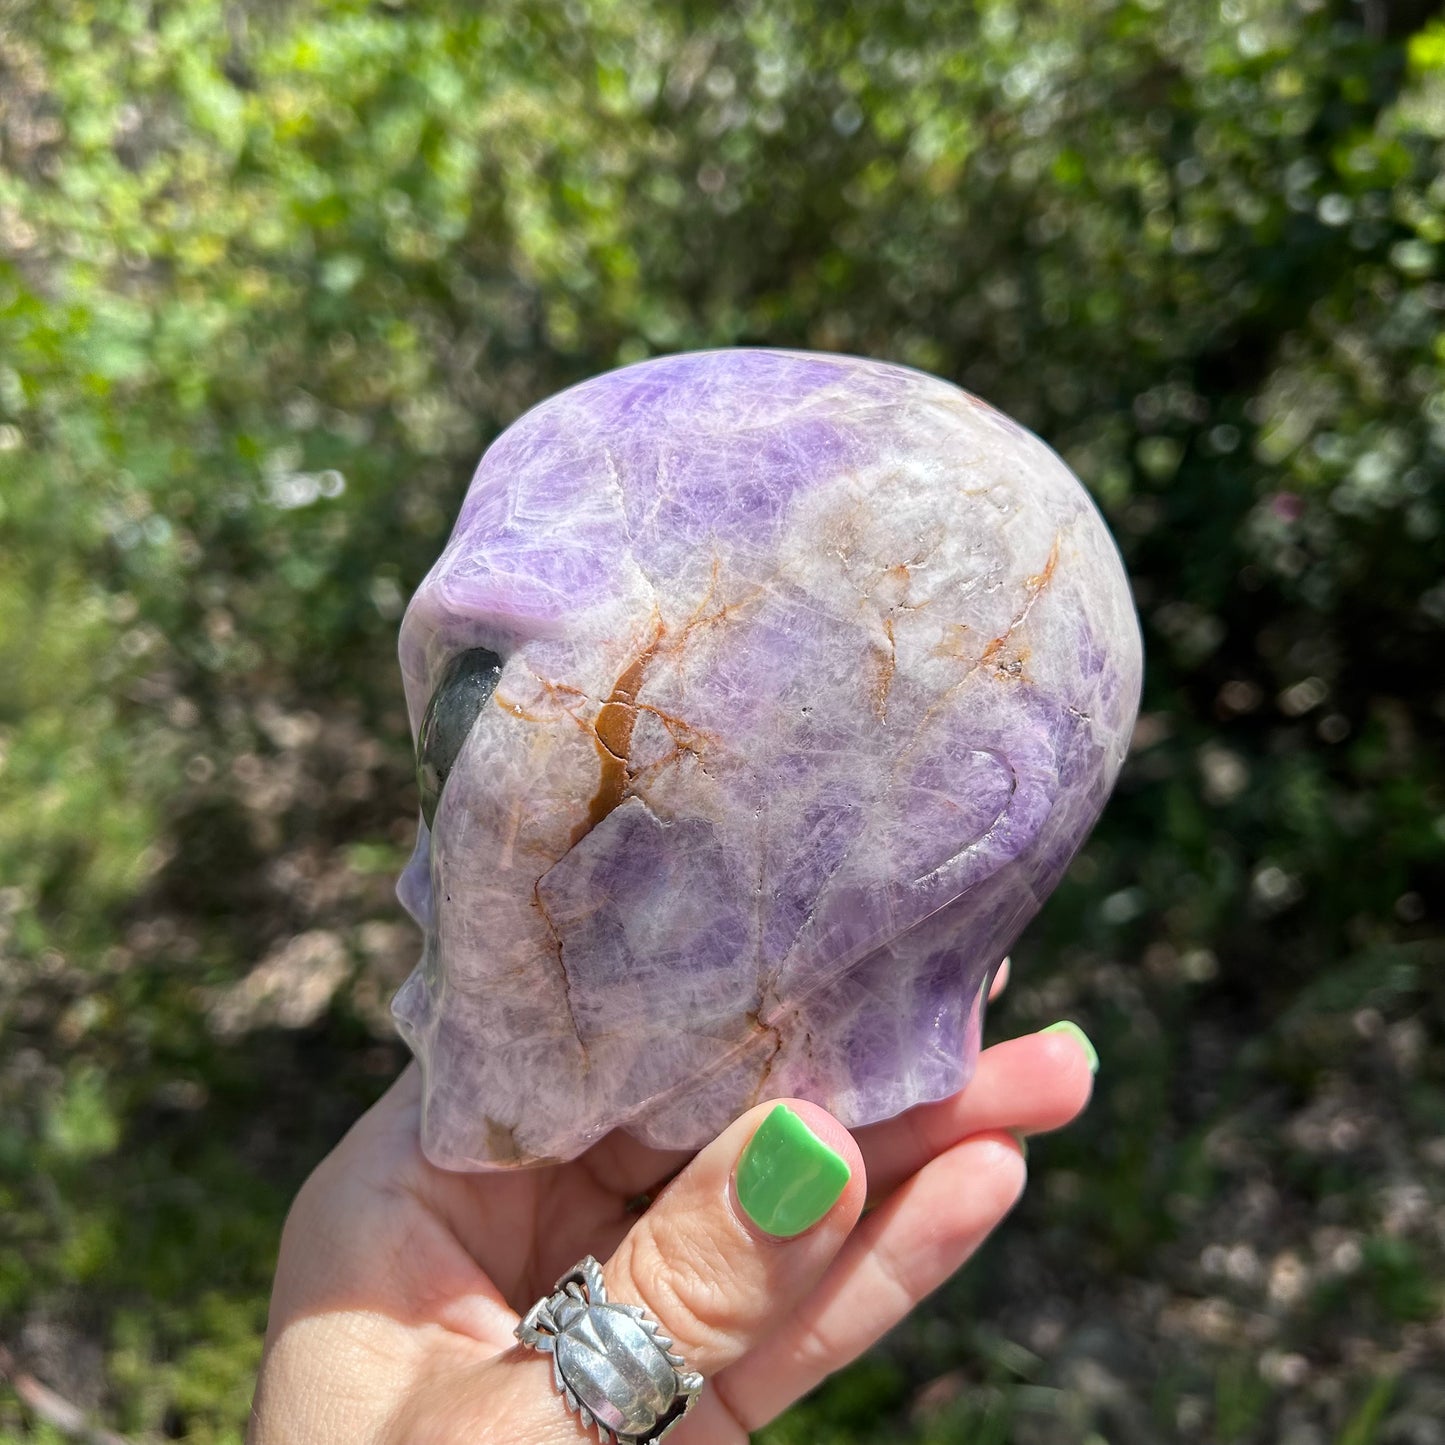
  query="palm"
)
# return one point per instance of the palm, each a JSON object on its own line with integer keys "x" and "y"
{"x": 525, "y": 1229}
{"x": 432, "y": 1268}
{"x": 417, "y": 1232}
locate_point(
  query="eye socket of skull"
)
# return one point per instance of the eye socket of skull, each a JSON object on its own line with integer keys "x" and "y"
{"x": 467, "y": 683}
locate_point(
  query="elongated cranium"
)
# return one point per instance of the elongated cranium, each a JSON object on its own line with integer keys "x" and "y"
{"x": 762, "y": 697}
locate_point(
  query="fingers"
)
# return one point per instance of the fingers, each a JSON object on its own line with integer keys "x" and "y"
{"x": 750, "y": 1263}
{"x": 954, "y": 1169}
{"x": 1027, "y": 1085}
{"x": 897, "y": 1255}
{"x": 1000, "y": 979}
{"x": 737, "y": 1240}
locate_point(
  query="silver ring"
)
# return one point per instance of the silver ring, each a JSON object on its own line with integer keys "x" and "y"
{"x": 612, "y": 1364}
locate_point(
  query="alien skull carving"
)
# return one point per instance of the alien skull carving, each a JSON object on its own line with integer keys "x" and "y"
{"x": 761, "y": 699}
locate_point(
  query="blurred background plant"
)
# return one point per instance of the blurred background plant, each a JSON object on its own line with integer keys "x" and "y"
{"x": 273, "y": 272}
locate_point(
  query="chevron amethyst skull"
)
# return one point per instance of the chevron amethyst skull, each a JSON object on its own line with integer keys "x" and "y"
{"x": 761, "y": 697}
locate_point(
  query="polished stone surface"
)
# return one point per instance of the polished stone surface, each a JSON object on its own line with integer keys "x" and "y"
{"x": 815, "y": 674}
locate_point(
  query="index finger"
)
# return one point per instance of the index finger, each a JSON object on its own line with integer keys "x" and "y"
{"x": 1027, "y": 1085}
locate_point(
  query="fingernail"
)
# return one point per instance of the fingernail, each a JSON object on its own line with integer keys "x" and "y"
{"x": 788, "y": 1178}
{"x": 1073, "y": 1031}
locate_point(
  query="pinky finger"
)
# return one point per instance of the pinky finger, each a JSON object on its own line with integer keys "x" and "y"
{"x": 1000, "y": 979}
{"x": 896, "y": 1256}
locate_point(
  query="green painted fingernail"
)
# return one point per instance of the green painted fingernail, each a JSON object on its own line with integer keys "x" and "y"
{"x": 788, "y": 1178}
{"x": 1067, "y": 1026}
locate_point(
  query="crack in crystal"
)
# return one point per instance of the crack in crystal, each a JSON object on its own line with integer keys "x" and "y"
{"x": 566, "y": 977}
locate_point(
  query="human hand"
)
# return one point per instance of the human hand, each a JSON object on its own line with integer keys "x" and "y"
{"x": 399, "y": 1285}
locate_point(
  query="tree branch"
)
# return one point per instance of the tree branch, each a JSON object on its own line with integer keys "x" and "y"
{"x": 53, "y": 1409}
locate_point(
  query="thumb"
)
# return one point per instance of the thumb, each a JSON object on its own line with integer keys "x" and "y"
{"x": 744, "y": 1232}
{"x": 731, "y": 1246}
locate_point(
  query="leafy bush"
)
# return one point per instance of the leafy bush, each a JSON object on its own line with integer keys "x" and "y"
{"x": 271, "y": 275}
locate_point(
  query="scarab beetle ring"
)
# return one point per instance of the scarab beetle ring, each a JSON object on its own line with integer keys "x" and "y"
{"x": 612, "y": 1363}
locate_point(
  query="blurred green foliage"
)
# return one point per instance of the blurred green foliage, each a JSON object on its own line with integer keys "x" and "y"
{"x": 272, "y": 273}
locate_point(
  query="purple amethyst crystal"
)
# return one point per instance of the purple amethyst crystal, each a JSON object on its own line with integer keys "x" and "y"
{"x": 762, "y": 697}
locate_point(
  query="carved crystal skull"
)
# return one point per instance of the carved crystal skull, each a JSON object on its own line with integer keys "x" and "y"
{"x": 761, "y": 699}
